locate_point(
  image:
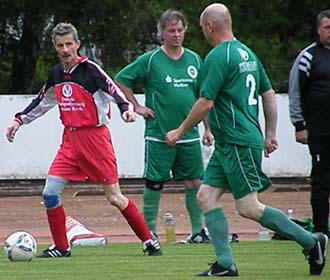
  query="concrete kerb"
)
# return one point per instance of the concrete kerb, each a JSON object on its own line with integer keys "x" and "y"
{"x": 33, "y": 187}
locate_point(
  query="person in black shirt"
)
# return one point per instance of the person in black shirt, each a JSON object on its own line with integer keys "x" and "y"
{"x": 309, "y": 102}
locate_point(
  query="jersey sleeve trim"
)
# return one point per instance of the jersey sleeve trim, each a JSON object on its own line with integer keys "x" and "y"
{"x": 114, "y": 92}
{"x": 41, "y": 104}
{"x": 296, "y": 113}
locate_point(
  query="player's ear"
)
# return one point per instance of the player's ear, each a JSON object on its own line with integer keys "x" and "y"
{"x": 209, "y": 26}
{"x": 78, "y": 43}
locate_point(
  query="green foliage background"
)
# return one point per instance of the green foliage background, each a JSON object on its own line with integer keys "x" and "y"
{"x": 121, "y": 30}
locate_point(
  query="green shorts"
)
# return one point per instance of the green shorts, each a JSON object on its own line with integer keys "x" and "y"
{"x": 237, "y": 169}
{"x": 183, "y": 161}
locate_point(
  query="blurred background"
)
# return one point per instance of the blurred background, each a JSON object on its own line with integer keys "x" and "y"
{"x": 114, "y": 33}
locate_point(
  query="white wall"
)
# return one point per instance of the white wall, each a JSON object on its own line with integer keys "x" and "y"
{"x": 36, "y": 144}
{"x": 291, "y": 158}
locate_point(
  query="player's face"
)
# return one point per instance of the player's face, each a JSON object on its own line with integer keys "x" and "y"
{"x": 67, "y": 49}
{"x": 173, "y": 34}
{"x": 324, "y": 31}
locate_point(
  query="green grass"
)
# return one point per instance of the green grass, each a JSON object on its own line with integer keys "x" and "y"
{"x": 255, "y": 260}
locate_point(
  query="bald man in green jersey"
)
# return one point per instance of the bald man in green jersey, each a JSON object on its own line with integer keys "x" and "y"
{"x": 232, "y": 82}
{"x": 169, "y": 74}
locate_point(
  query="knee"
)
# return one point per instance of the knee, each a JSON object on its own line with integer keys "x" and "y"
{"x": 196, "y": 183}
{"x": 113, "y": 199}
{"x": 250, "y": 211}
{"x": 244, "y": 212}
{"x": 117, "y": 200}
{"x": 52, "y": 191}
{"x": 51, "y": 201}
{"x": 200, "y": 198}
{"x": 153, "y": 185}
{"x": 203, "y": 197}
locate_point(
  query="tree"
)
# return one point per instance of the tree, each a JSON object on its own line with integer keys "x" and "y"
{"x": 26, "y": 53}
{"x": 122, "y": 30}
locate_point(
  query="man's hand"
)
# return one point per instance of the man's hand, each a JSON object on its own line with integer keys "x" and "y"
{"x": 208, "y": 138}
{"x": 171, "y": 137}
{"x": 145, "y": 112}
{"x": 11, "y": 131}
{"x": 270, "y": 146}
{"x": 128, "y": 116}
{"x": 302, "y": 136}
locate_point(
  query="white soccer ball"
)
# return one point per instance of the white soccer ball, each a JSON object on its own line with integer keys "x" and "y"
{"x": 20, "y": 246}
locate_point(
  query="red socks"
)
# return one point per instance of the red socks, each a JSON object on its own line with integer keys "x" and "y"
{"x": 136, "y": 221}
{"x": 56, "y": 220}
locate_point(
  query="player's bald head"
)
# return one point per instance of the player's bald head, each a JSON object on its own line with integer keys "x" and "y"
{"x": 216, "y": 13}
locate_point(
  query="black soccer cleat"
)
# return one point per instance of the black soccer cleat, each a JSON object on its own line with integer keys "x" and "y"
{"x": 317, "y": 255}
{"x": 54, "y": 252}
{"x": 217, "y": 270}
{"x": 152, "y": 247}
{"x": 201, "y": 237}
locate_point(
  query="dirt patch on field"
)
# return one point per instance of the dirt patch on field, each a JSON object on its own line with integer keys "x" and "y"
{"x": 27, "y": 213}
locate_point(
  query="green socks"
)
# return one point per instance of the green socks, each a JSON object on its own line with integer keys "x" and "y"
{"x": 151, "y": 200}
{"x": 194, "y": 211}
{"x": 272, "y": 218}
{"x": 277, "y": 221}
{"x": 217, "y": 225}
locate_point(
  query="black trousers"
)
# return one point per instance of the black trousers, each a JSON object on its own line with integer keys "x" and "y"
{"x": 319, "y": 148}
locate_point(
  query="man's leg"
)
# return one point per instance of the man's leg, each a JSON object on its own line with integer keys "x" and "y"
{"x": 217, "y": 225}
{"x": 315, "y": 246}
{"x": 319, "y": 148}
{"x": 274, "y": 219}
{"x": 320, "y": 205}
{"x": 151, "y": 198}
{"x": 56, "y": 218}
{"x": 198, "y": 233}
{"x": 133, "y": 217}
{"x": 159, "y": 158}
{"x": 189, "y": 166}
{"x": 194, "y": 211}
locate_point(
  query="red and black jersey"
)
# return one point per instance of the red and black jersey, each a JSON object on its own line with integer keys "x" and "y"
{"x": 83, "y": 94}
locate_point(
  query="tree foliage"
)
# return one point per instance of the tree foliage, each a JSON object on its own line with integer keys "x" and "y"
{"x": 119, "y": 31}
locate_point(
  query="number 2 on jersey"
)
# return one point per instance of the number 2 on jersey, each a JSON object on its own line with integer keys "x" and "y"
{"x": 250, "y": 83}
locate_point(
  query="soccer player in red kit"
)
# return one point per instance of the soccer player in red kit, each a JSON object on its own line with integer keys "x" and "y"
{"x": 82, "y": 90}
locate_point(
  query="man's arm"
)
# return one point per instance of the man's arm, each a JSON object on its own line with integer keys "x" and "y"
{"x": 208, "y": 138}
{"x": 196, "y": 115}
{"x": 141, "y": 110}
{"x": 270, "y": 113}
{"x": 296, "y": 115}
{"x": 295, "y": 102}
{"x": 41, "y": 104}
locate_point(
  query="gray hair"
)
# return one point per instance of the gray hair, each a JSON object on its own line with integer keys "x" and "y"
{"x": 64, "y": 28}
{"x": 167, "y": 16}
{"x": 322, "y": 15}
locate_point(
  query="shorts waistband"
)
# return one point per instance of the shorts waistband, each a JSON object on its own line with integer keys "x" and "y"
{"x": 72, "y": 128}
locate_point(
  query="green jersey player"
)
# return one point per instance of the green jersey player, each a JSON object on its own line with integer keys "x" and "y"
{"x": 169, "y": 75}
{"x": 232, "y": 81}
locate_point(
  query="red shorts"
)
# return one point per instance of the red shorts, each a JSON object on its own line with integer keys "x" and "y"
{"x": 86, "y": 153}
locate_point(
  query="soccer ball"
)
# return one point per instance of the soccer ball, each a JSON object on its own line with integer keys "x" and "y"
{"x": 20, "y": 246}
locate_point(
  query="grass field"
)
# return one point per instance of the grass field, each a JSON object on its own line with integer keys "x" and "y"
{"x": 255, "y": 260}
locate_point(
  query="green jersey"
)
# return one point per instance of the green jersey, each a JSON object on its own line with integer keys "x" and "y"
{"x": 170, "y": 88}
{"x": 233, "y": 77}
